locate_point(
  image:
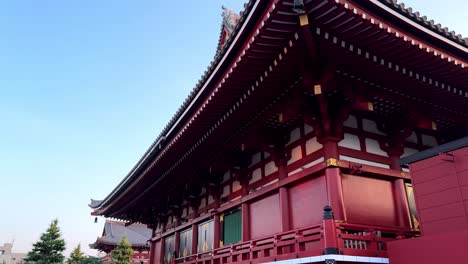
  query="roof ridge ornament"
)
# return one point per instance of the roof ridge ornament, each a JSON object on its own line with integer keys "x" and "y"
{"x": 230, "y": 19}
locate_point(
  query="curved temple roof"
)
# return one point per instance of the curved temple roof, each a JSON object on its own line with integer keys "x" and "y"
{"x": 413, "y": 19}
{"x": 136, "y": 234}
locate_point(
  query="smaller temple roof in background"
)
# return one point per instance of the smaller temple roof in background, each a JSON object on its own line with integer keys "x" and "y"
{"x": 137, "y": 235}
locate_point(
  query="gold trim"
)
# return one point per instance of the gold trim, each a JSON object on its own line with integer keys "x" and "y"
{"x": 304, "y": 20}
{"x": 317, "y": 89}
{"x": 332, "y": 162}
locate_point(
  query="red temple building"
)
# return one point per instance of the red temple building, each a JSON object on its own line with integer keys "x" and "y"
{"x": 288, "y": 149}
{"x": 137, "y": 235}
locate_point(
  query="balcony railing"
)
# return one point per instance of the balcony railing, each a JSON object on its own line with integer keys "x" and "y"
{"x": 352, "y": 239}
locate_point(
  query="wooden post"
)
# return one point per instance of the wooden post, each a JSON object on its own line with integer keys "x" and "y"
{"x": 399, "y": 189}
{"x": 161, "y": 255}
{"x": 194, "y": 238}
{"x": 216, "y": 230}
{"x": 176, "y": 244}
{"x": 284, "y": 206}
{"x": 330, "y": 239}
{"x": 335, "y": 192}
{"x": 152, "y": 252}
{"x": 245, "y": 222}
{"x": 401, "y": 203}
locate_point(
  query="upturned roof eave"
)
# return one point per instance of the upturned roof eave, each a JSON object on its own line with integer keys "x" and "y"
{"x": 182, "y": 112}
{"x": 450, "y": 37}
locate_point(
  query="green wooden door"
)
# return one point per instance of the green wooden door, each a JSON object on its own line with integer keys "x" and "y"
{"x": 232, "y": 226}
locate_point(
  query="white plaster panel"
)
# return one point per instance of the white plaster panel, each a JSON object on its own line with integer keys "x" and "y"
{"x": 226, "y": 191}
{"x": 256, "y": 158}
{"x": 372, "y": 146}
{"x": 256, "y": 175}
{"x": 312, "y": 145}
{"x": 350, "y": 141}
{"x": 351, "y": 122}
{"x": 308, "y": 129}
{"x": 296, "y": 154}
{"x": 294, "y": 135}
{"x": 236, "y": 186}
{"x": 409, "y": 151}
{"x": 270, "y": 168}
{"x": 226, "y": 176}
{"x": 413, "y": 138}
{"x": 210, "y": 199}
{"x": 371, "y": 126}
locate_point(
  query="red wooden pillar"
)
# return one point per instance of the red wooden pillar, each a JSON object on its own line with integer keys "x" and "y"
{"x": 216, "y": 230}
{"x": 330, "y": 238}
{"x": 335, "y": 192}
{"x": 245, "y": 222}
{"x": 333, "y": 179}
{"x": 194, "y": 238}
{"x": 284, "y": 206}
{"x": 330, "y": 148}
{"x": 152, "y": 252}
{"x": 176, "y": 244}
{"x": 282, "y": 164}
{"x": 401, "y": 203}
{"x": 161, "y": 253}
{"x": 399, "y": 190}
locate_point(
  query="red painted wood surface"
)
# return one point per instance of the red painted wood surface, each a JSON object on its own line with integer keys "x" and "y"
{"x": 265, "y": 217}
{"x": 369, "y": 201}
{"x": 449, "y": 247}
{"x": 156, "y": 248}
{"x": 306, "y": 202}
{"x": 441, "y": 192}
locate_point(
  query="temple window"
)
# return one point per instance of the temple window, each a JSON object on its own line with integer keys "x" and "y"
{"x": 205, "y": 237}
{"x": 185, "y": 244}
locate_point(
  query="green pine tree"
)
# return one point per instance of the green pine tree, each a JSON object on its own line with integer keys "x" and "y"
{"x": 122, "y": 254}
{"x": 49, "y": 249}
{"x": 76, "y": 256}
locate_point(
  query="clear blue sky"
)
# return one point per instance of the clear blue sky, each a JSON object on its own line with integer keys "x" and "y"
{"x": 85, "y": 88}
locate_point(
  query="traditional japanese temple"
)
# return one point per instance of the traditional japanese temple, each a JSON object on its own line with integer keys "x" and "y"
{"x": 289, "y": 147}
{"x": 137, "y": 235}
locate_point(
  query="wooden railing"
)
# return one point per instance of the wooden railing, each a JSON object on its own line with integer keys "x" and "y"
{"x": 353, "y": 239}
{"x": 292, "y": 244}
{"x": 371, "y": 241}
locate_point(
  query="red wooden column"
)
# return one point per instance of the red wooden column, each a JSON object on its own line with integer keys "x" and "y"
{"x": 152, "y": 246}
{"x": 333, "y": 179}
{"x": 281, "y": 161}
{"x": 245, "y": 222}
{"x": 330, "y": 238}
{"x": 194, "y": 238}
{"x": 176, "y": 243}
{"x": 216, "y": 230}
{"x": 335, "y": 192}
{"x": 152, "y": 252}
{"x": 161, "y": 253}
{"x": 399, "y": 189}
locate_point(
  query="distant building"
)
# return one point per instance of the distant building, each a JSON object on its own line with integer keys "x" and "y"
{"x": 137, "y": 235}
{"x": 8, "y": 257}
